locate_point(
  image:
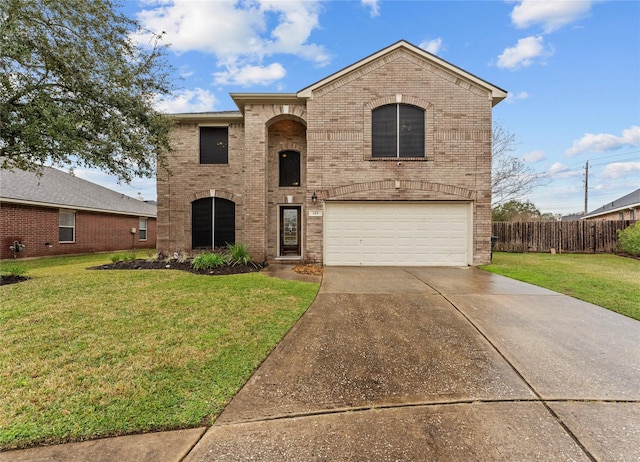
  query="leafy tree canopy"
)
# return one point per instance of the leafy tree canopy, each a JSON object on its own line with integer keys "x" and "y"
{"x": 77, "y": 90}
{"x": 514, "y": 210}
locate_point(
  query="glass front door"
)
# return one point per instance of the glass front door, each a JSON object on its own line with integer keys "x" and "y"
{"x": 290, "y": 231}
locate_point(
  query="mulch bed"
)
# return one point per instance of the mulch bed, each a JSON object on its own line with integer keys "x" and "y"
{"x": 6, "y": 280}
{"x": 315, "y": 270}
{"x": 179, "y": 265}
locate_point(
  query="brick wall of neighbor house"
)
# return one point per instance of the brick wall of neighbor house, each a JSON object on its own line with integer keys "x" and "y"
{"x": 333, "y": 133}
{"x": 37, "y": 228}
{"x": 626, "y": 214}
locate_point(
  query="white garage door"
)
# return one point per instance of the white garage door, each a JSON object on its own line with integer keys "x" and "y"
{"x": 397, "y": 233}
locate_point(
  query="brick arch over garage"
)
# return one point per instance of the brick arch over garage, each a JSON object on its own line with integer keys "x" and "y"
{"x": 355, "y": 188}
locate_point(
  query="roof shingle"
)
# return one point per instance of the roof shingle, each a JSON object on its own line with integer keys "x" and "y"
{"x": 55, "y": 188}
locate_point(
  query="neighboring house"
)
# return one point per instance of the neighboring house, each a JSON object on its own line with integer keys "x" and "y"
{"x": 625, "y": 208}
{"x": 572, "y": 217}
{"x": 385, "y": 162}
{"x": 57, "y": 213}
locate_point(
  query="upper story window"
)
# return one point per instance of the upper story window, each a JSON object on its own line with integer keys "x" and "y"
{"x": 397, "y": 130}
{"x": 214, "y": 145}
{"x": 67, "y": 226}
{"x": 289, "y": 168}
{"x": 143, "y": 229}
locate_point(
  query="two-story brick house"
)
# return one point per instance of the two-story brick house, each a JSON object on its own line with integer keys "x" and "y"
{"x": 386, "y": 162}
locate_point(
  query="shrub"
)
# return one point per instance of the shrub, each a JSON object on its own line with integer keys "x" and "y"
{"x": 629, "y": 239}
{"x": 115, "y": 258}
{"x": 239, "y": 253}
{"x": 208, "y": 260}
{"x": 13, "y": 269}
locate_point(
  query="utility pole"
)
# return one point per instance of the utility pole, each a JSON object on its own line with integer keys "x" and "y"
{"x": 586, "y": 187}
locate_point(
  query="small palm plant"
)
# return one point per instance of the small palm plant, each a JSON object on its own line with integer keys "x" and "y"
{"x": 239, "y": 254}
{"x": 208, "y": 261}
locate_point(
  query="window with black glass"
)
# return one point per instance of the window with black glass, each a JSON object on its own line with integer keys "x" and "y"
{"x": 289, "y": 167}
{"x": 212, "y": 223}
{"x": 214, "y": 145}
{"x": 397, "y": 130}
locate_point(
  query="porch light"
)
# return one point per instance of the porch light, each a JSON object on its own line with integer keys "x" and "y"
{"x": 314, "y": 198}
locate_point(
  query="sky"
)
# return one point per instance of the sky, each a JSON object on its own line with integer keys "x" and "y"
{"x": 571, "y": 67}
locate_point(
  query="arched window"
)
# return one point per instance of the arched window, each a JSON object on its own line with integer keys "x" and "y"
{"x": 289, "y": 168}
{"x": 397, "y": 130}
{"x": 213, "y": 223}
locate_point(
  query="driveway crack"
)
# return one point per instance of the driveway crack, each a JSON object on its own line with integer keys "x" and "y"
{"x": 517, "y": 372}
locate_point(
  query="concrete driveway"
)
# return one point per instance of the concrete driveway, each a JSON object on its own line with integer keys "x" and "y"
{"x": 429, "y": 364}
{"x": 439, "y": 364}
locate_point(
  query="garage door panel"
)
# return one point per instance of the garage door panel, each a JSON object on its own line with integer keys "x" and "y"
{"x": 399, "y": 233}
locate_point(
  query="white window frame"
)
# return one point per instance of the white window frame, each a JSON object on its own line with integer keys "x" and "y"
{"x": 73, "y": 226}
{"x": 141, "y": 228}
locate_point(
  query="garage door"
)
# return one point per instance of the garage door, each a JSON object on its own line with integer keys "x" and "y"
{"x": 397, "y": 233}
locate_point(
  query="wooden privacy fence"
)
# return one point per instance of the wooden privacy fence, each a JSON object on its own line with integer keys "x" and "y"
{"x": 564, "y": 236}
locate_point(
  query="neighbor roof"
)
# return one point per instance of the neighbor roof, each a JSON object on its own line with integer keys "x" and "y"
{"x": 55, "y": 188}
{"x": 497, "y": 93}
{"x": 631, "y": 200}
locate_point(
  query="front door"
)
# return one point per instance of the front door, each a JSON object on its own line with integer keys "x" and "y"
{"x": 290, "y": 231}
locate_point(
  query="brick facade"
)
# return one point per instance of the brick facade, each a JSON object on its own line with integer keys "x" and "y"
{"x": 37, "y": 228}
{"x": 330, "y": 125}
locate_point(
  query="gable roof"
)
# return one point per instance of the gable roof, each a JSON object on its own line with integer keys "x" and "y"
{"x": 631, "y": 200}
{"x": 58, "y": 189}
{"x": 497, "y": 93}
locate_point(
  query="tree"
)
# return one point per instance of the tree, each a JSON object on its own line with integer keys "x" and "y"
{"x": 511, "y": 178}
{"x": 514, "y": 210}
{"x": 77, "y": 90}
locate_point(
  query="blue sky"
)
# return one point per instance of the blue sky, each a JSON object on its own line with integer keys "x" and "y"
{"x": 571, "y": 67}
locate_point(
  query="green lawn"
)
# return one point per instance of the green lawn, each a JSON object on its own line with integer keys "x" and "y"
{"x": 95, "y": 353}
{"x": 609, "y": 281}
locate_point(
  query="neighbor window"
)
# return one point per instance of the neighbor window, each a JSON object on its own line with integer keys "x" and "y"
{"x": 289, "y": 168}
{"x": 397, "y": 130}
{"x": 143, "y": 229}
{"x": 67, "y": 226}
{"x": 214, "y": 145}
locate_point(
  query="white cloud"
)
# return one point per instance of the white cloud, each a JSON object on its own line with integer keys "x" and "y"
{"x": 605, "y": 142}
{"x": 139, "y": 187}
{"x": 246, "y": 32}
{"x": 617, "y": 170}
{"x": 524, "y": 53}
{"x": 559, "y": 170}
{"x": 533, "y": 157}
{"x": 196, "y": 100}
{"x": 373, "y": 6}
{"x": 432, "y": 46}
{"x": 513, "y": 97}
{"x": 551, "y": 14}
{"x": 247, "y": 75}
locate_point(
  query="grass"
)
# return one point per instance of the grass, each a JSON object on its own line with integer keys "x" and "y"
{"x": 89, "y": 354}
{"x": 610, "y": 281}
